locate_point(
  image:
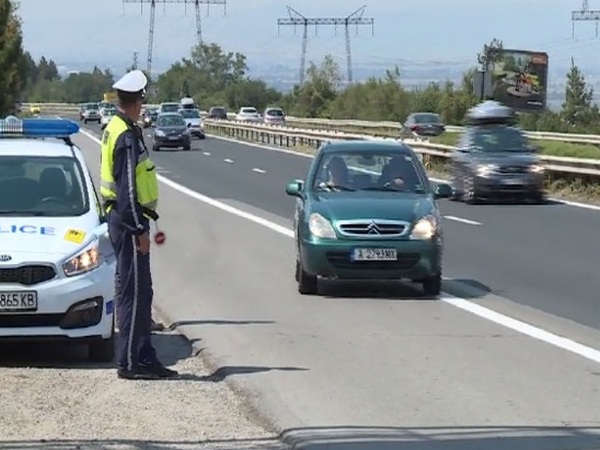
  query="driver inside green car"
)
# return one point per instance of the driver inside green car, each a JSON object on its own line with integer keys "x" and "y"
{"x": 393, "y": 173}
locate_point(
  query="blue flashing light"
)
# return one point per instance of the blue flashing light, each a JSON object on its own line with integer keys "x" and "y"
{"x": 12, "y": 126}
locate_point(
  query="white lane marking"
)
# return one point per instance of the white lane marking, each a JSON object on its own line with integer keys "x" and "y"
{"x": 435, "y": 180}
{"x": 461, "y": 220}
{"x": 206, "y": 153}
{"x": 257, "y": 170}
{"x": 466, "y": 305}
{"x": 525, "y": 328}
{"x": 229, "y": 161}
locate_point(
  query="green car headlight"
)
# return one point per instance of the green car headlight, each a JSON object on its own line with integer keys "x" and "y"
{"x": 425, "y": 228}
{"x": 320, "y": 227}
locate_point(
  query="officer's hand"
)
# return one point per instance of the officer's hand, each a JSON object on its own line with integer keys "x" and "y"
{"x": 144, "y": 243}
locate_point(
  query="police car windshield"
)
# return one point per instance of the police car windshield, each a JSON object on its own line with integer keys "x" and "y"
{"x": 498, "y": 139}
{"x": 42, "y": 186}
{"x": 170, "y": 121}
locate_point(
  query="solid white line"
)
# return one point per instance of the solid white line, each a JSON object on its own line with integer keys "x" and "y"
{"x": 258, "y": 170}
{"x": 227, "y": 160}
{"x": 466, "y": 305}
{"x": 461, "y": 220}
{"x": 435, "y": 180}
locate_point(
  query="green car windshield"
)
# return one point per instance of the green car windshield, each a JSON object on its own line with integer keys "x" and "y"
{"x": 370, "y": 171}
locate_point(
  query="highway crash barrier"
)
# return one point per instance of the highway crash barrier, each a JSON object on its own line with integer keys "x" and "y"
{"x": 361, "y": 125}
{"x": 286, "y": 136}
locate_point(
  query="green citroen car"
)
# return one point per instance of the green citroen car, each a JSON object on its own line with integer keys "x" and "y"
{"x": 368, "y": 211}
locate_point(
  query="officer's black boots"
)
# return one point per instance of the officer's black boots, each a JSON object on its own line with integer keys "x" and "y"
{"x": 137, "y": 374}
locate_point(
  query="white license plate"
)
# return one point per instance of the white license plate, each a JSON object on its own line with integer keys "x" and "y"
{"x": 18, "y": 301}
{"x": 173, "y": 138}
{"x": 512, "y": 181}
{"x": 374, "y": 254}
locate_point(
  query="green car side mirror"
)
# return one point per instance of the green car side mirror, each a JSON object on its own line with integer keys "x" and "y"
{"x": 294, "y": 188}
{"x": 443, "y": 190}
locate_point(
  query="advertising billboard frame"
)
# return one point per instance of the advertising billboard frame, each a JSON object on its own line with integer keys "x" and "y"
{"x": 519, "y": 79}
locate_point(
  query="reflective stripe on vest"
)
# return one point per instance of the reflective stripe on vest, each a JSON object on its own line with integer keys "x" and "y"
{"x": 145, "y": 171}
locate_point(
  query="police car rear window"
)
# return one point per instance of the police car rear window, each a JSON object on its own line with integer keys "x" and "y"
{"x": 42, "y": 186}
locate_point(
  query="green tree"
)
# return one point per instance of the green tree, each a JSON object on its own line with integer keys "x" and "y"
{"x": 12, "y": 76}
{"x": 491, "y": 52}
{"x": 319, "y": 89}
{"x": 578, "y": 108}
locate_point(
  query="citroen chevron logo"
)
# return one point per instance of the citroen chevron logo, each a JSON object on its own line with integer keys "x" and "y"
{"x": 372, "y": 228}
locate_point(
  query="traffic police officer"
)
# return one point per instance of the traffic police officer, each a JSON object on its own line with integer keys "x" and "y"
{"x": 129, "y": 188}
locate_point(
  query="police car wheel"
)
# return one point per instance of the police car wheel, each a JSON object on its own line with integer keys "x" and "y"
{"x": 102, "y": 350}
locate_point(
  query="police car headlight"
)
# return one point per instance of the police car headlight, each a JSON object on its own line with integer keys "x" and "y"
{"x": 83, "y": 261}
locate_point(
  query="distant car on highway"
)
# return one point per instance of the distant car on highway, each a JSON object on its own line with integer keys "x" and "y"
{"x": 90, "y": 113}
{"x": 149, "y": 116}
{"x": 171, "y": 131}
{"x": 217, "y": 112}
{"x": 274, "y": 116}
{"x": 367, "y": 211}
{"x": 423, "y": 124}
{"x": 248, "y": 114}
{"x": 57, "y": 264}
{"x": 495, "y": 160}
{"x": 35, "y": 109}
{"x": 194, "y": 122}
{"x": 168, "y": 107}
{"x": 107, "y": 115}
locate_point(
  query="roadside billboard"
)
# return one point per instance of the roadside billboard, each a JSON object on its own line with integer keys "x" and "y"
{"x": 519, "y": 79}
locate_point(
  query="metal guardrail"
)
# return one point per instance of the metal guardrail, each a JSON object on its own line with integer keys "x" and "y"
{"x": 286, "y": 136}
{"x": 358, "y": 125}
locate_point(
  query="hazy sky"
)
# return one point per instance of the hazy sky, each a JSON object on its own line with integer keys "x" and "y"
{"x": 106, "y": 32}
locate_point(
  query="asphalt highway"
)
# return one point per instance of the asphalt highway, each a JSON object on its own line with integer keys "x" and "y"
{"x": 341, "y": 367}
{"x": 545, "y": 257}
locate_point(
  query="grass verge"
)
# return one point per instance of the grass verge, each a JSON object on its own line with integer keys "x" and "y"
{"x": 551, "y": 148}
{"x": 574, "y": 188}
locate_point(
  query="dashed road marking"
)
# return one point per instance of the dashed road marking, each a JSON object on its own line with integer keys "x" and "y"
{"x": 257, "y": 170}
{"x": 461, "y": 220}
{"x": 229, "y": 161}
{"x": 206, "y": 153}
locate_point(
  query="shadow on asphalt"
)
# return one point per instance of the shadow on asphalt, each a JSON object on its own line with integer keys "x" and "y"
{"x": 443, "y": 438}
{"x": 381, "y": 290}
{"x": 171, "y": 348}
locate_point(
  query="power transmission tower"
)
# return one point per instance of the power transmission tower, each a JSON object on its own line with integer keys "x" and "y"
{"x": 153, "y": 4}
{"x": 135, "y": 60}
{"x": 356, "y": 18}
{"x": 585, "y": 14}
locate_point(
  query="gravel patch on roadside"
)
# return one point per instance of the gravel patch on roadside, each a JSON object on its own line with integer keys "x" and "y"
{"x": 52, "y": 398}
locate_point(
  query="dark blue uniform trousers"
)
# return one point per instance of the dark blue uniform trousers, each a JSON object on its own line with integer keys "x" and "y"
{"x": 133, "y": 300}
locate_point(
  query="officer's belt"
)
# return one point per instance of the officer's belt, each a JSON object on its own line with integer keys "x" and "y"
{"x": 146, "y": 211}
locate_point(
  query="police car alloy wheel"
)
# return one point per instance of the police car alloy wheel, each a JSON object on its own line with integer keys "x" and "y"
{"x": 57, "y": 270}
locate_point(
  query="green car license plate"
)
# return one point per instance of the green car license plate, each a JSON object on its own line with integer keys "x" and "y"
{"x": 374, "y": 254}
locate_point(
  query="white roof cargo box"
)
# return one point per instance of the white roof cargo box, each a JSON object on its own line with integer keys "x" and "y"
{"x": 187, "y": 101}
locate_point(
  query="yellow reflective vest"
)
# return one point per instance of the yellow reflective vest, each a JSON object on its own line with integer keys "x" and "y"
{"x": 146, "y": 182}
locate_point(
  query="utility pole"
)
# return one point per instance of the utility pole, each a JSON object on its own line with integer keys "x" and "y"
{"x": 153, "y": 3}
{"x": 356, "y": 18}
{"x": 135, "y": 61}
{"x": 585, "y": 14}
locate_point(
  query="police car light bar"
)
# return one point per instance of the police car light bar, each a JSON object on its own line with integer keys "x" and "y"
{"x": 12, "y": 126}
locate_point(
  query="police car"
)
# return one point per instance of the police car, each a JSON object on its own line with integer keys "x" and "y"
{"x": 57, "y": 264}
